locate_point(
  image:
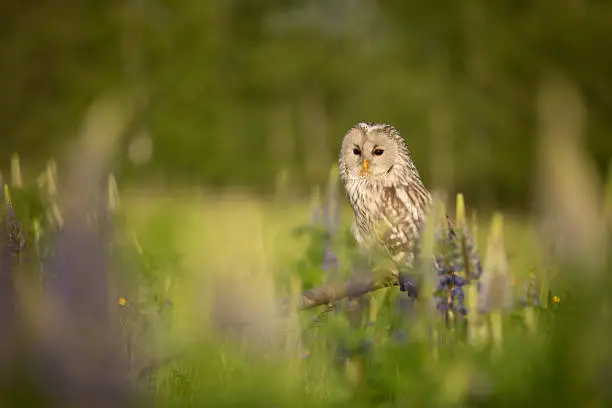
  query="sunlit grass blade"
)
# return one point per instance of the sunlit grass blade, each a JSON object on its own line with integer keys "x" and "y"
{"x": 608, "y": 196}
{"x": 460, "y": 219}
{"x": 496, "y": 290}
{"x": 569, "y": 188}
{"x": 51, "y": 172}
{"x": 114, "y": 201}
{"x": 16, "y": 176}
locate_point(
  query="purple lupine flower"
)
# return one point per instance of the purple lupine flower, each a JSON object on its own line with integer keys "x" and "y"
{"x": 457, "y": 298}
{"x": 458, "y": 280}
{"x": 444, "y": 281}
{"x": 457, "y": 264}
{"x": 442, "y": 304}
{"x": 16, "y": 240}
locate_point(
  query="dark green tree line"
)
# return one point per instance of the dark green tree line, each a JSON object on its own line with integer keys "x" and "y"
{"x": 231, "y": 92}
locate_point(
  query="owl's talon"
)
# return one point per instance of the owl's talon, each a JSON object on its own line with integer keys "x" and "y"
{"x": 407, "y": 285}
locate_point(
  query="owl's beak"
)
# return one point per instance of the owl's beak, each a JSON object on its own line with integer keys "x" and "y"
{"x": 365, "y": 165}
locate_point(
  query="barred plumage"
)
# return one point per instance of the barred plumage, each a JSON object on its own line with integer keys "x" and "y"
{"x": 383, "y": 186}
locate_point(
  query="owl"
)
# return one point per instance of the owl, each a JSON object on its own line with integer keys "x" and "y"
{"x": 384, "y": 188}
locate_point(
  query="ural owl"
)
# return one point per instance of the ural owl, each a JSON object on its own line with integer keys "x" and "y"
{"x": 383, "y": 187}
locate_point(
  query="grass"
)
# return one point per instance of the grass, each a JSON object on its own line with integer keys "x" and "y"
{"x": 194, "y": 280}
{"x": 244, "y": 249}
{"x": 196, "y": 277}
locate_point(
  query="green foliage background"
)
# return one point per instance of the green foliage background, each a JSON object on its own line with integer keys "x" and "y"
{"x": 233, "y": 91}
{"x": 257, "y": 94}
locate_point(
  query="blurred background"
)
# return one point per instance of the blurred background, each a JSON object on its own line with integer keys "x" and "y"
{"x": 508, "y": 102}
{"x": 231, "y": 92}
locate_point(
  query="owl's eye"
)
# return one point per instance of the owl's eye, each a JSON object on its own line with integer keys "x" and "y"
{"x": 378, "y": 152}
{"x": 356, "y": 151}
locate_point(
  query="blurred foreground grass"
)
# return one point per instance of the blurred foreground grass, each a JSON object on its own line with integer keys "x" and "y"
{"x": 238, "y": 247}
{"x": 194, "y": 279}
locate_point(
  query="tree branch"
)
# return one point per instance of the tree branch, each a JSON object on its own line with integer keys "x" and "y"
{"x": 334, "y": 292}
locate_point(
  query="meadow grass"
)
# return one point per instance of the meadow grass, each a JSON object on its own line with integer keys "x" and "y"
{"x": 196, "y": 277}
{"x": 229, "y": 257}
{"x": 194, "y": 280}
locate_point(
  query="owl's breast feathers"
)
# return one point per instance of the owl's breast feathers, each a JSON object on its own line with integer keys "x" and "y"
{"x": 391, "y": 216}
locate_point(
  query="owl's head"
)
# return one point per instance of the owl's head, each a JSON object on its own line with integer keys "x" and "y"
{"x": 374, "y": 151}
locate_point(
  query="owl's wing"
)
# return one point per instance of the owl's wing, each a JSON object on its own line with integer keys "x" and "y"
{"x": 403, "y": 215}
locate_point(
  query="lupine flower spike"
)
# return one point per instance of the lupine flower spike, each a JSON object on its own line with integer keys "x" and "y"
{"x": 457, "y": 264}
{"x": 16, "y": 177}
{"x": 15, "y": 234}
